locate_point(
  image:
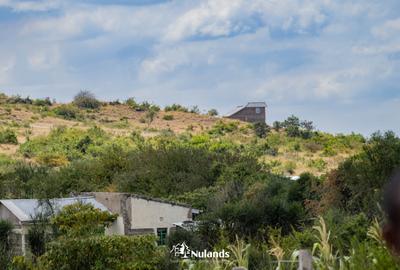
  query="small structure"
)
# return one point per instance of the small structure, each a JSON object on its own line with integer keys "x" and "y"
{"x": 253, "y": 112}
{"x": 144, "y": 215}
{"x": 22, "y": 212}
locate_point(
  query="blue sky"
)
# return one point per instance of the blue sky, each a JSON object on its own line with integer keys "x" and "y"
{"x": 335, "y": 62}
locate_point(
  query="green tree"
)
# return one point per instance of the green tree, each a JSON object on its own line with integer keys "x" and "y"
{"x": 79, "y": 219}
{"x": 86, "y": 100}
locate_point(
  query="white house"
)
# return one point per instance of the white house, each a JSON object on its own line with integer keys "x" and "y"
{"x": 142, "y": 215}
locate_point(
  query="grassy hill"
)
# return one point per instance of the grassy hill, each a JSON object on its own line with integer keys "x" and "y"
{"x": 36, "y": 120}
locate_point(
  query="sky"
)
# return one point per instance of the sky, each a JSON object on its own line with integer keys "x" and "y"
{"x": 335, "y": 62}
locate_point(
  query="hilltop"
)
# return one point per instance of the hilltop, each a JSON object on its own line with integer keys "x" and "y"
{"x": 35, "y": 119}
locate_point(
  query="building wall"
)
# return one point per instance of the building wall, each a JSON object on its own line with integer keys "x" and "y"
{"x": 248, "y": 114}
{"x": 6, "y": 214}
{"x": 141, "y": 215}
{"x": 153, "y": 214}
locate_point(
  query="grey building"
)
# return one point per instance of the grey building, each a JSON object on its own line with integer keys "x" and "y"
{"x": 253, "y": 112}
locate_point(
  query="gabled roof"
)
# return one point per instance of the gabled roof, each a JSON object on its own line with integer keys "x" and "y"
{"x": 249, "y": 105}
{"x": 26, "y": 209}
{"x": 256, "y": 104}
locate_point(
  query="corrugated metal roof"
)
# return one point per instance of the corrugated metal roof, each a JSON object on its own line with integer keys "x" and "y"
{"x": 249, "y": 105}
{"x": 26, "y": 209}
{"x": 238, "y": 108}
{"x": 256, "y": 104}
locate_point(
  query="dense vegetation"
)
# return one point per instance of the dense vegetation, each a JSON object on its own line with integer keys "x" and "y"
{"x": 236, "y": 173}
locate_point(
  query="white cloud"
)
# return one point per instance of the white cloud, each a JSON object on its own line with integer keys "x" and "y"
{"x": 388, "y": 29}
{"x": 38, "y": 5}
{"x": 220, "y": 18}
{"x": 44, "y": 58}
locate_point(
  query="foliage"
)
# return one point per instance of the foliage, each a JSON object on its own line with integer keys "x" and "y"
{"x": 101, "y": 253}
{"x": 86, "y": 100}
{"x": 79, "y": 219}
{"x": 42, "y": 102}
{"x": 176, "y": 108}
{"x": 195, "y": 109}
{"x": 261, "y": 129}
{"x": 68, "y": 112}
{"x": 212, "y": 112}
{"x": 5, "y": 254}
{"x": 221, "y": 128}
{"x": 191, "y": 238}
{"x": 150, "y": 115}
{"x": 8, "y": 136}
{"x": 358, "y": 183}
{"x": 19, "y": 100}
{"x": 168, "y": 117}
{"x": 38, "y": 234}
{"x": 70, "y": 144}
{"x": 239, "y": 253}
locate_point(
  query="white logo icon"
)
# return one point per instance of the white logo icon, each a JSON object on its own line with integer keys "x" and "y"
{"x": 181, "y": 250}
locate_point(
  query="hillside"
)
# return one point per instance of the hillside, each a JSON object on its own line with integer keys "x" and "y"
{"x": 283, "y": 154}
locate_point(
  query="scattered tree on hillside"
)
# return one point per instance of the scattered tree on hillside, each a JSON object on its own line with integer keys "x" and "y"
{"x": 86, "y": 100}
{"x": 261, "y": 129}
{"x": 212, "y": 112}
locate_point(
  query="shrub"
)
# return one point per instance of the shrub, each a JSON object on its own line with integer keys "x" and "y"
{"x": 313, "y": 146}
{"x": 5, "y": 254}
{"x": 261, "y": 129}
{"x": 277, "y": 125}
{"x": 19, "y": 100}
{"x": 319, "y": 164}
{"x": 195, "y": 109}
{"x": 176, "y": 108}
{"x": 102, "y": 252}
{"x": 189, "y": 237}
{"x": 140, "y": 107}
{"x": 42, "y": 102}
{"x": 86, "y": 100}
{"x": 168, "y": 117}
{"x": 67, "y": 112}
{"x": 290, "y": 167}
{"x": 212, "y": 112}
{"x": 37, "y": 235}
{"x": 8, "y": 136}
{"x": 221, "y": 128}
{"x": 81, "y": 219}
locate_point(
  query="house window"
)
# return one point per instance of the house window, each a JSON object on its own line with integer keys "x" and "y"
{"x": 258, "y": 110}
{"x": 162, "y": 235}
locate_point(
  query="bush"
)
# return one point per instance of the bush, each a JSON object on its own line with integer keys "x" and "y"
{"x": 261, "y": 129}
{"x": 102, "y": 252}
{"x": 68, "y": 112}
{"x": 176, "y": 108}
{"x": 42, "y": 102}
{"x": 19, "y": 100}
{"x": 8, "y": 136}
{"x": 221, "y": 128}
{"x": 37, "y": 236}
{"x": 212, "y": 112}
{"x": 357, "y": 185}
{"x": 5, "y": 254}
{"x": 195, "y": 109}
{"x": 86, "y": 100}
{"x": 140, "y": 107}
{"x": 79, "y": 219}
{"x": 168, "y": 117}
